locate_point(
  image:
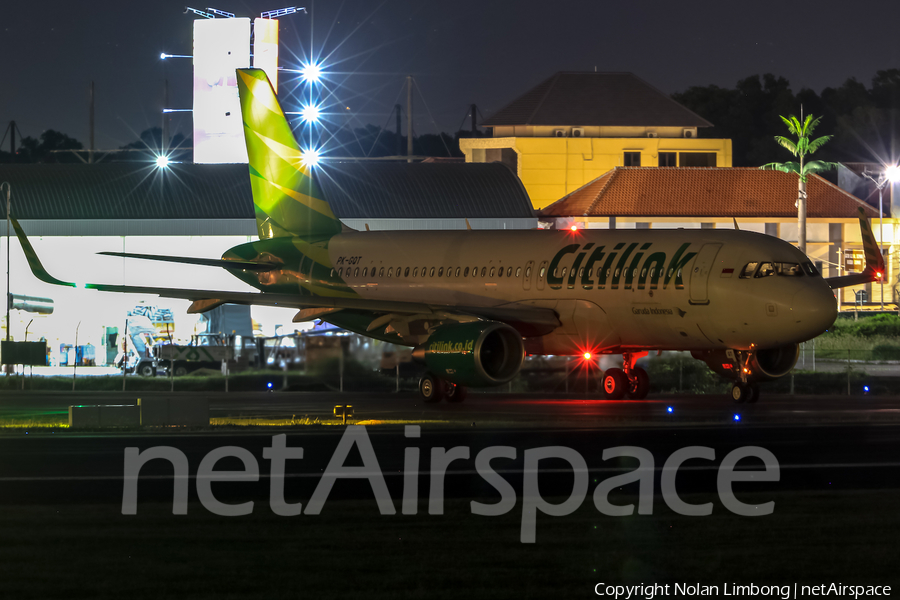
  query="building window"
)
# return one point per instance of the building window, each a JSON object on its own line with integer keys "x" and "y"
{"x": 633, "y": 159}
{"x": 668, "y": 159}
{"x": 696, "y": 159}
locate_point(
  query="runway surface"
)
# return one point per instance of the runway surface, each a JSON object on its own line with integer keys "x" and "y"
{"x": 820, "y": 443}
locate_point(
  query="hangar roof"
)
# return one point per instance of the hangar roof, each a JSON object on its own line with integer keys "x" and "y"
{"x": 604, "y": 99}
{"x": 134, "y": 191}
{"x": 704, "y": 192}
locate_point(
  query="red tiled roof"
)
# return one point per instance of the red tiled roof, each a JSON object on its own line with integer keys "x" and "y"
{"x": 703, "y": 192}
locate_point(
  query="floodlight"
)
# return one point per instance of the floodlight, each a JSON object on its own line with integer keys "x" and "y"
{"x": 310, "y": 157}
{"x": 310, "y": 113}
{"x": 162, "y": 161}
{"x": 892, "y": 173}
{"x": 311, "y": 72}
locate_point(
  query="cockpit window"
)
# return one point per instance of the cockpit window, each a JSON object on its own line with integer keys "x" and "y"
{"x": 749, "y": 270}
{"x": 810, "y": 269}
{"x": 789, "y": 269}
{"x": 765, "y": 270}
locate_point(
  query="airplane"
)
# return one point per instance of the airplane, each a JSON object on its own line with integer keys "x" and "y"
{"x": 472, "y": 304}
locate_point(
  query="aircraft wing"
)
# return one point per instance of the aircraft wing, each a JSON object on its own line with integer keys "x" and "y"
{"x": 530, "y": 320}
{"x": 207, "y": 262}
{"x": 874, "y": 270}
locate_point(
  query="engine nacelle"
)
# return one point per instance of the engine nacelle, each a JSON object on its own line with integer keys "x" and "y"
{"x": 479, "y": 354}
{"x": 764, "y": 365}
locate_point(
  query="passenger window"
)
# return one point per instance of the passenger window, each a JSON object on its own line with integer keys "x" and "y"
{"x": 415, "y": 270}
{"x": 474, "y": 271}
{"x": 432, "y": 272}
{"x": 527, "y": 272}
{"x": 500, "y": 273}
{"x": 581, "y": 272}
{"x": 765, "y": 270}
{"x": 380, "y": 273}
{"x": 617, "y": 272}
{"x": 492, "y": 271}
{"x": 356, "y": 273}
{"x": 509, "y": 271}
{"x": 679, "y": 273}
{"x": 518, "y": 271}
{"x": 441, "y": 272}
{"x": 406, "y": 272}
{"x": 332, "y": 273}
{"x": 466, "y": 272}
{"x": 457, "y": 271}
{"x": 366, "y": 270}
{"x": 643, "y": 273}
{"x": 564, "y": 271}
{"x": 389, "y": 271}
{"x": 483, "y": 271}
{"x": 541, "y": 276}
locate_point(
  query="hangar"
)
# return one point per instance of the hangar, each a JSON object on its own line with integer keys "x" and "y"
{"x": 73, "y": 211}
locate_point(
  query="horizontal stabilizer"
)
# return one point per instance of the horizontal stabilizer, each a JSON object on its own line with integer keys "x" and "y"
{"x": 206, "y": 262}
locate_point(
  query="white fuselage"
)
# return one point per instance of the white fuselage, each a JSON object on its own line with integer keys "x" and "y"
{"x": 613, "y": 290}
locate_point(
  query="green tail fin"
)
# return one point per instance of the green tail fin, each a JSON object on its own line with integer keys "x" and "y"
{"x": 286, "y": 199}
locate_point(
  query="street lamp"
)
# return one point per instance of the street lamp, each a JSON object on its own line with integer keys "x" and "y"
{"x": 889, "y": 175}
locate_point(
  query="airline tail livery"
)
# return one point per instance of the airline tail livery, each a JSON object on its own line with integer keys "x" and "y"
{"x": 473, "y": 303}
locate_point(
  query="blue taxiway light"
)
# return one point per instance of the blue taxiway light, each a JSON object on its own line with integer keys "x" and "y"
{"x": 669, "y": 409}
{"x": 737, "y": 417}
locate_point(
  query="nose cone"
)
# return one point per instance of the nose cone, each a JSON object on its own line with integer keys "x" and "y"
{"x": 814, "y": 310}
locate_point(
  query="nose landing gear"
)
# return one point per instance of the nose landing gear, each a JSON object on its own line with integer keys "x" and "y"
{"x": 630, "y": 380}
{"x": 744, "y": 390}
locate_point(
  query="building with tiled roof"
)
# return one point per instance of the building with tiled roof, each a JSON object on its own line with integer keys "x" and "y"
{"x": 762, "y": 201}
{"x": 575, "y": 126}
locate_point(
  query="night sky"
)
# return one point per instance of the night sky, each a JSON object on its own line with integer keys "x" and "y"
{"x": 460, "y": 52}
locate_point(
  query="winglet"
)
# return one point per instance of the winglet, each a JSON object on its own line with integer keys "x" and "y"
{"x": 874, "y": 258}
{"x": 875, "y": 269}
{"x": 33, "y": 261}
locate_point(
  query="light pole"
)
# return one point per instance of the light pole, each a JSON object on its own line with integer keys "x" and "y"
{"x": 888, "y": 175}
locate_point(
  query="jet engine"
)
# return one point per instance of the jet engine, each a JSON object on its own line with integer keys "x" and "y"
{"x": 764, "y": 365}
{"x": 479, "y": 354}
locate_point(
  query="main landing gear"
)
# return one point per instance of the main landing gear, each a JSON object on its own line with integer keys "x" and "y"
{"x": 434, "y": 389}
{"x": 630, "y": 380}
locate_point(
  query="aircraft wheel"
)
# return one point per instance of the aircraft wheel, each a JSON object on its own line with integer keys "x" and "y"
{"x": 431, "y": 388}
{"x": 753, "y": 395}
{"x": 639, "y": 384}
{"x": 456, "y": 393}
{"x": 740, "y": 392}
{"x": 615, "y": 383}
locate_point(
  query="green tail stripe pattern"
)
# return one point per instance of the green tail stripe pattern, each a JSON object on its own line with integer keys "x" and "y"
{"x": 287, "y": 201}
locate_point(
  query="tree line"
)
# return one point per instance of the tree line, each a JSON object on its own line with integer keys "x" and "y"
{"x": 864, "y": 120}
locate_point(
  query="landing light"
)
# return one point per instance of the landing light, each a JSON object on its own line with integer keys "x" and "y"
{"x": 162, "y": 161}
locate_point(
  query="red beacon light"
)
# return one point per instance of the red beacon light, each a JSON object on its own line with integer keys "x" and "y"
{"x": 587, "y": 356}
{"x": 574, "y": 228}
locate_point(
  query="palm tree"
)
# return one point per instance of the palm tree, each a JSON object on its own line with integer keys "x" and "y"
{"x": 800, "y": 149}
